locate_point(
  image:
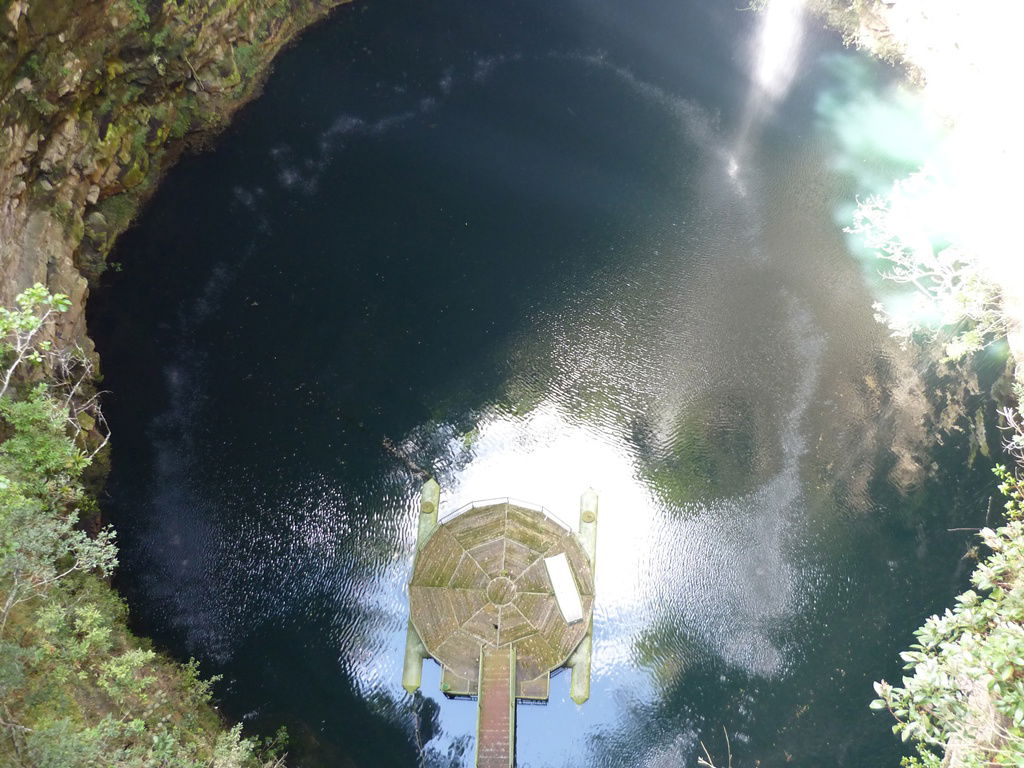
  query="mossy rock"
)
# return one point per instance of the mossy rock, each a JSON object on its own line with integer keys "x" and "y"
{"x": 133, "y": 177}
{"x": 87, "y": 422}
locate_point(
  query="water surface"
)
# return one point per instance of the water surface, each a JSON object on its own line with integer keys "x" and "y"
{"x": 540, "y": 247}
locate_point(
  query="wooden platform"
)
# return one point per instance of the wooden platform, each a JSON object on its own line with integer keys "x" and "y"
{"x": 496, "y": 720}
{"x": 480, "y": 583}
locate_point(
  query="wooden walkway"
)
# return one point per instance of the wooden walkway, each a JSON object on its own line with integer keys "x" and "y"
{"x": 496, "y": 719}
{"x": 480, "y": 580}
{"x": 483, "y": 605}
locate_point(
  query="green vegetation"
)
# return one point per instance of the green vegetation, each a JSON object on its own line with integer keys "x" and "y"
{"x": 20, "y": 329}
{"x": 947, "y": 232}
{"x": 101, "y": 98}
{"x": 861, "y": 25}
{"x": 140, "y": 15}
{"x": 136, "y": 80}
{"x": 77, "y": 689}
{"x": 963, "y": 703}
{"x": 951, "y": 296}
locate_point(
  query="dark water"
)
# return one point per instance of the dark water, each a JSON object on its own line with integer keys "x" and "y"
{"x": 520, "y": 240}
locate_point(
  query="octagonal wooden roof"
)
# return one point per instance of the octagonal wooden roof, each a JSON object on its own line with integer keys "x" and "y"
{"x": 480, "y": 581}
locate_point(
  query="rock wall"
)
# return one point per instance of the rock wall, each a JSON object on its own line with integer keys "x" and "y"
{"x": 97, "y": 99}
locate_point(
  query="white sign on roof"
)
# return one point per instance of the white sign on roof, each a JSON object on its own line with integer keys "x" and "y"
{"x": 567, "y": 595}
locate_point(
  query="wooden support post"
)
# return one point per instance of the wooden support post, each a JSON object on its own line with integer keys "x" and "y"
{"x": 588, "y": 524}
{"x": 415, "y": 653}
{"x": 579, "y": 684}
{"x": 415, "y": 650}
{"x": 430, "y": 499}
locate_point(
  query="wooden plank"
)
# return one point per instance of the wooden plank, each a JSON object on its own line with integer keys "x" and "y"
{"x": 484, "y": 624}
{"x": 536, "y": 656}
{"x": 580, "y": 564}
{"x": 518, "y": 557}
{"x": 535, "y": 607}
{"x": 479, "y": 526}
{"x": 490, "y": 556}
{"x": 433, "y": 617}
{"x": 513, "y": 625}
{"x": 466, "y": 602}
{"x": 454, "y": 684}
{"x": 469, "y": 575}
{"x": 570, "y": 640}
{"x": 461, "y": 653}
{"x": 459, "y": 597}
{"x": 438, "y": 560}
{"x": 537, "y": 689}
{"x": 495, "y": 742}
{"x": 533, "y": 529}
{"x": 534, "y": 579}
{"x": 561, "y": 637}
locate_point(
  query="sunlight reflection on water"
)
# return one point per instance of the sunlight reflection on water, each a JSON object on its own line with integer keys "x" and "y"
{"x": 685, "y": 335}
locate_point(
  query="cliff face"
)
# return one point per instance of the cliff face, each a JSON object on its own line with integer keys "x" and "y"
{"x": 97, "y": 99}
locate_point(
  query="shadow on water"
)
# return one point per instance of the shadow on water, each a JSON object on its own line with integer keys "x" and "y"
{"x": 509, "y": 239}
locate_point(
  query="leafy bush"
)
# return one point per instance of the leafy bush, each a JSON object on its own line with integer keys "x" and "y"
{"x": 21, "y": 328}
{"x": 951, "y": 292}
{"x": 77, "y": 689}
{"x": 963, "y": 704}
